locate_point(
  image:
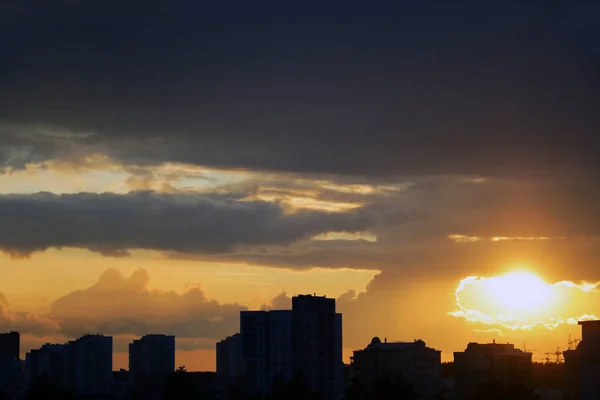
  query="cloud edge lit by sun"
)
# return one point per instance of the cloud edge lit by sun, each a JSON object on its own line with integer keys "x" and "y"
{"x": 510, "y": 322}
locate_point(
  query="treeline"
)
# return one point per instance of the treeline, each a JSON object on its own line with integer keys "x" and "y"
{"x": 183, "y": 385}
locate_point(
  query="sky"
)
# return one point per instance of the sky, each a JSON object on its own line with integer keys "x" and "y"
{"x": 432, "y": 166}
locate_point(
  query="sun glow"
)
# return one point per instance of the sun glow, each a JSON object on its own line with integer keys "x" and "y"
{"x": 523, "y": 300}
{"x": 520, "y": 293}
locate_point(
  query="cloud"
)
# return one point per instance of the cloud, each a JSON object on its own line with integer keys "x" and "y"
{"x": 348, "y": 90}
{"x": 121, "y": 305}
{"x": 187, "y": 223}
{"x": 523, "y": 301}
{"x": 24, "y": 321}
{"x": 280, "y": 302}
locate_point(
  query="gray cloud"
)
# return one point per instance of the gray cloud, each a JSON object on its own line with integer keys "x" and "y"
{"x": 413, "y": 227}
{"x": 409, "y": 88}
{"x": 189, "y": 223}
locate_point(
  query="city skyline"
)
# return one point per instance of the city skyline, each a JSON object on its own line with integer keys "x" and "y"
{"x": 431, "y": 167}
{"x": 279, "y": 353}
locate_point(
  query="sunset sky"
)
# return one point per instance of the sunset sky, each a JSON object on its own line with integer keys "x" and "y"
{"x": 432, "y": 165}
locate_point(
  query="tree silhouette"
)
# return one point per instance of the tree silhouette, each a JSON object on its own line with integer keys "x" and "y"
{"x": 180, "y": 386}
{"x": 294, "y": 389}
{"x": 500, "y": 391}
{"x": 384, "y": 388}
{"x": 45, "y": 389}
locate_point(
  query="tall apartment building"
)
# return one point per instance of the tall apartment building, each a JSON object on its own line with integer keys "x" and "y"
{"x": 229, "y": 357}
{"x": 412, "y": 361}
{"x": 83, "y": 366}
{"x": 231, "y": 369}
{"x": 266, "y": 340}
{"x": 10, "y": 346}
{"x": 483, "y": 363}
{"x": 50, "y": 361}
{"x": 152, "y": 355}
{"x": 317, "y": 337}
{"x": 305, "y": 342}
{"x": 12, "y": 379}
{"x": 582, "y": 365}
{"x": 90, "y": 364}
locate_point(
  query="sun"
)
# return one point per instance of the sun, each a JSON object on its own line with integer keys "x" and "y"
{"x": 521, "y": 299}
{"x": 519, "y": 294}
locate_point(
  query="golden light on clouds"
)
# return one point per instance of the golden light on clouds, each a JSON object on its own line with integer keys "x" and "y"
{"x": 366, "y": 236}
{"x": 472, "y": 239}
{"x": 294, "y": 203}
{"x": 523, "y": 300}
{"x": 463, "y": 238}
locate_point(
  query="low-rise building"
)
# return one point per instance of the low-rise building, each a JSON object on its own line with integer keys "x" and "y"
{"x": 412, "y": 361}
{"x": 481, "y": 364}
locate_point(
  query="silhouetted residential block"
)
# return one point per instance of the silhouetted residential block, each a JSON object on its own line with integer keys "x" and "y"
{"x": 50, "y": 361}
{"x": 12, "y": 379}
{"x": 90, "y": 365}
{"x": 231, "y": 371}
{"x": 276, "y": 345}
{"x": 482, "y": 364}
{"x": 152, "y": 355}
{"x": 266, "y": 345}
{"x": 10, "y": 346}
{"x": 412, "y": 361}
{"x": 583, "y": 363}
{"x": 317, "y": 345}
{"x": 229, "y": 357}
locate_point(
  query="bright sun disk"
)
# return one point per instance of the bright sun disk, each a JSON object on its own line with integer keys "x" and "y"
{"x": 520, "y": 293}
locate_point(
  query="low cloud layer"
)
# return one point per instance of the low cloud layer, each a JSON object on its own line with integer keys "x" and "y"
{"x": 121, "y": 305}
{"x": 112, "y": 224}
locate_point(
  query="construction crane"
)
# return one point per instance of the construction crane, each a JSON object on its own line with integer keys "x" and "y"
{"x": 573, "y": 343}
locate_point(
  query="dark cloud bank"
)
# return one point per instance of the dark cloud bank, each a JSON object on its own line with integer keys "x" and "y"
{"x": 385, "y": 89}
{"x": 186, "y": 223}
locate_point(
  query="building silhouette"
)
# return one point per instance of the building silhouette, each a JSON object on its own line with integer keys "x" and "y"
{"x": 90, "y": 364}
{"x": 51, "y": 362}
{"x": 414, "y": 362}
{"x": 231, "y": 369}
{"x": 10, "y": 346}
{"x": 12, "y": 379}
{"x": 317, "y": 345}
{"x": 305, "y": 342}
{"x": 266, "y": 339}
{"x": 152, "y": 355}
{"x": 11, "y": 367}
{"x": 482, "y": 364}
{"x": 583, "y": 363}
